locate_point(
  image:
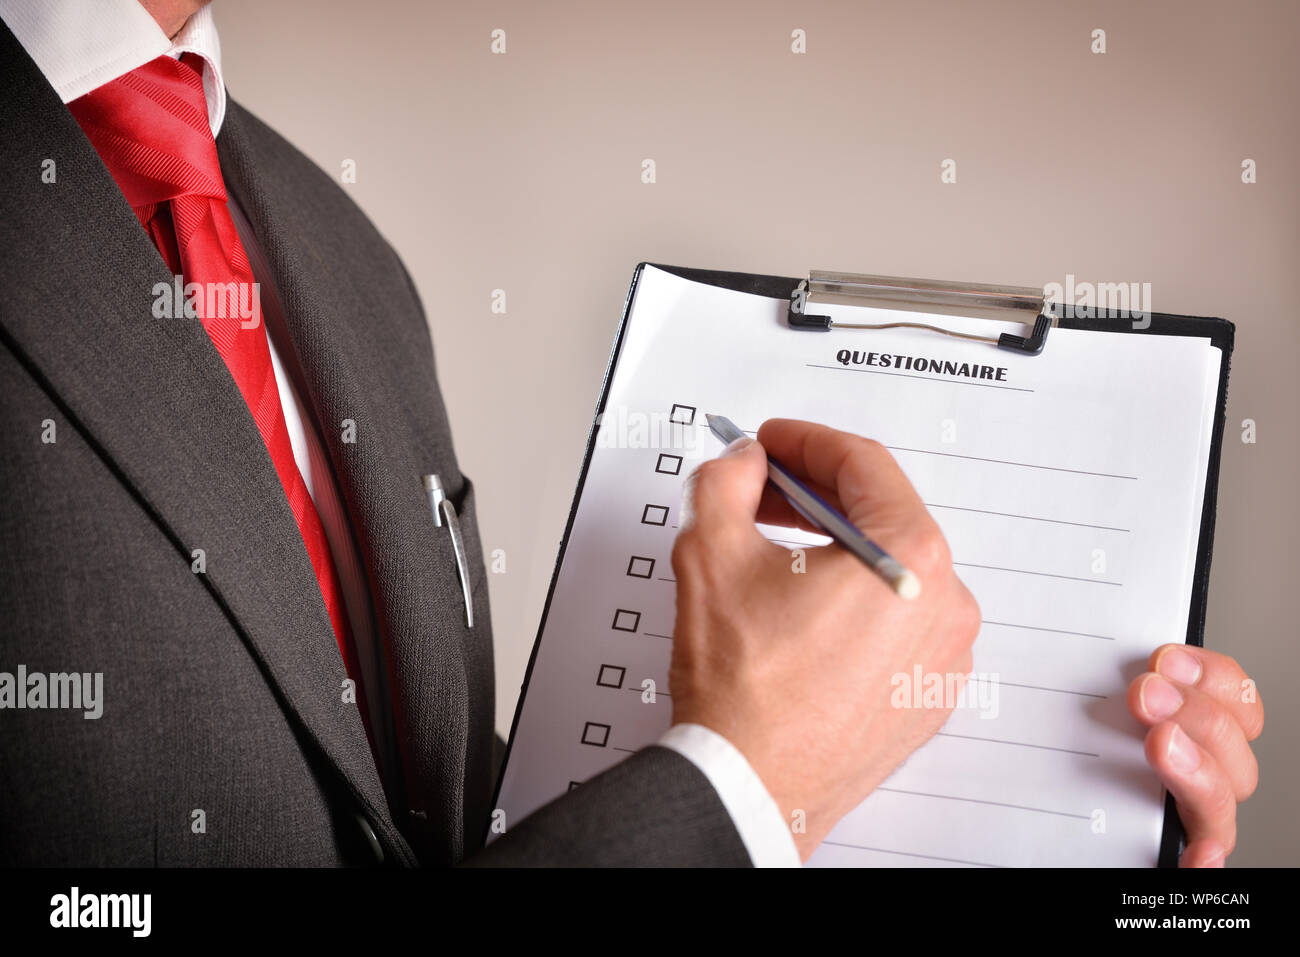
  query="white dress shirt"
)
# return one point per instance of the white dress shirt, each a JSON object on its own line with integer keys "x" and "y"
{"x": 80, "y": 45}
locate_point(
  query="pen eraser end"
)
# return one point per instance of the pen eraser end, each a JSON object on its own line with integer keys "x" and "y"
{"x": 907, "y": 585}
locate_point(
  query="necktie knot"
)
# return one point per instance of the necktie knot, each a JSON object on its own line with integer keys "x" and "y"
{"x": 151, "y": 129}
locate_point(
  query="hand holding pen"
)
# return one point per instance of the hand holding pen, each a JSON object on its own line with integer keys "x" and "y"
{"x": 825, "y": 517}
{"x": 793, "y": 659}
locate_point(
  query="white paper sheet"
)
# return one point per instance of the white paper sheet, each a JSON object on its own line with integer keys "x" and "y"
{"x": 1070, "y": 491}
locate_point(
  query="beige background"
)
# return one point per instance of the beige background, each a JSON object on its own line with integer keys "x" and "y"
{"x": 522, "y": 172}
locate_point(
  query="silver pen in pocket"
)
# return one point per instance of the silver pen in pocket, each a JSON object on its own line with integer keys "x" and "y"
{"x": 444, "y": 513}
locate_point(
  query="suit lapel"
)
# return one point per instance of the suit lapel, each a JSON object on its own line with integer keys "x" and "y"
{"x": 339, "y": 301}
{"x": 154, "y": 398}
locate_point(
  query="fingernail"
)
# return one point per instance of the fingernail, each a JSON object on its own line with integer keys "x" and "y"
{"x": 1218, "y": 859}
{"x": 1159, "y": 698}
{"x": 739, "y": 445}
{"x": 1183, "y": 754}
{"x": 1179, "y": 666}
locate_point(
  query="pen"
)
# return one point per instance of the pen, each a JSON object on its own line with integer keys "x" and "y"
{"x": 445, "y": 512}
{"x": 825, "y": 517}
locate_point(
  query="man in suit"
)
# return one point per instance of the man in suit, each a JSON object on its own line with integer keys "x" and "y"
{"x": 220, "y": 403}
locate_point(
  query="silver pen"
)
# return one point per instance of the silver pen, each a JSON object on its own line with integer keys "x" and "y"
{"x": 826, "y": 517}
{"x": 444, "y": 513}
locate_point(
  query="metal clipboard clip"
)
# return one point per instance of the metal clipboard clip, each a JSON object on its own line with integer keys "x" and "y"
{"x": 932, "y": 295}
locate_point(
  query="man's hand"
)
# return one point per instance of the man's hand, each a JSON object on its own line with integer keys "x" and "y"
{"x": 1203, "y": 713}
{"x": 793, "y": 664}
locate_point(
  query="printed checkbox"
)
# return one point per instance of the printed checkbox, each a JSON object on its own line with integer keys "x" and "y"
{"x": 595, "y": 734}
{"x": 682, "y": 414}
{"x": 668, "y": 464}
{"x": 625, "y": 620}
{"x": 654, "y": 515}
{"x": 641, "y": 567}
{"x": 611, "y": 676}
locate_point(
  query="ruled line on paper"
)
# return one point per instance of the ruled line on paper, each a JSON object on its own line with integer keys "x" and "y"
{"x": 1026, "y": 571}
{"x": 1029, "y": 518}
{"x": 1023, "y": 465}
{"x": 971, "y": 800}
{"x": 1054, "y": 631}
{"x": 924, "y": 857}
{"x": 1081, "y": 694}
{"x": 1018, "y": 744}
{"x": 979, "y": 458}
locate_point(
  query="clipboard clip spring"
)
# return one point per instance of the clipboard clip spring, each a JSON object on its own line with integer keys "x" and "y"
{"x": 851, "y": 288}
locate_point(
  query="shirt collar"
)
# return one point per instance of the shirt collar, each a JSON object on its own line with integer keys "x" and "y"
{"x": 82, "y": 44}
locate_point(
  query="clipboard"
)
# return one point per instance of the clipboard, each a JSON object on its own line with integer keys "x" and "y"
{"x": 969, "y": 300}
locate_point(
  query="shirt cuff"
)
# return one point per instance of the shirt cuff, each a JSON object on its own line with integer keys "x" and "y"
{"x": 758, "y": 820}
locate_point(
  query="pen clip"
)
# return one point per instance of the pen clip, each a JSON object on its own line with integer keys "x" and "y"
{"x": 444, "y": 513}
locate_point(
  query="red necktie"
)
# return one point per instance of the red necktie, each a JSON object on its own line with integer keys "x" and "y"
{"x": 150, "y": 127}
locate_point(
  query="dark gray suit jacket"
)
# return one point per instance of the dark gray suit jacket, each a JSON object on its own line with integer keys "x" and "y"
{"x": 222, "y": 689}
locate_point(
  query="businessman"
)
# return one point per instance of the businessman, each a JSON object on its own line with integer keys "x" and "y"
{"x": 219, "y": 407}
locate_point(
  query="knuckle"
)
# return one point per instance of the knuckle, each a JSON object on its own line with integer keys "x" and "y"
{"x": 867, "y": 457}
{"x": 869, "y": 449}
{"x": 708, "y": 471}
{"x": 686, "y": 551}
{"x": 968, "y": 617}
{"x": 1254, "y": 721}
{"x": 1221, "y": 805}
{"x": 1250, "y": 781}
{"x": 1220, "y": 726}
{"x": 703, "y": 560}
{"x": 871, "y": 456}
{"x": 959, "y": 637}
{"x": 930, "y": 551}
{"x": 687, "y": 541}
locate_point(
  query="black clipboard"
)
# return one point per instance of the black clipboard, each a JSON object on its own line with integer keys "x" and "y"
{"x": 1219, "y": 332}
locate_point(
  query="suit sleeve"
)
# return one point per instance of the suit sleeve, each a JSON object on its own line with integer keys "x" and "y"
{"x": 656, "y": 809}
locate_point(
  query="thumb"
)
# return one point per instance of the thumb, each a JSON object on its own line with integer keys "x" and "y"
{"x": 722, "y": 495}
